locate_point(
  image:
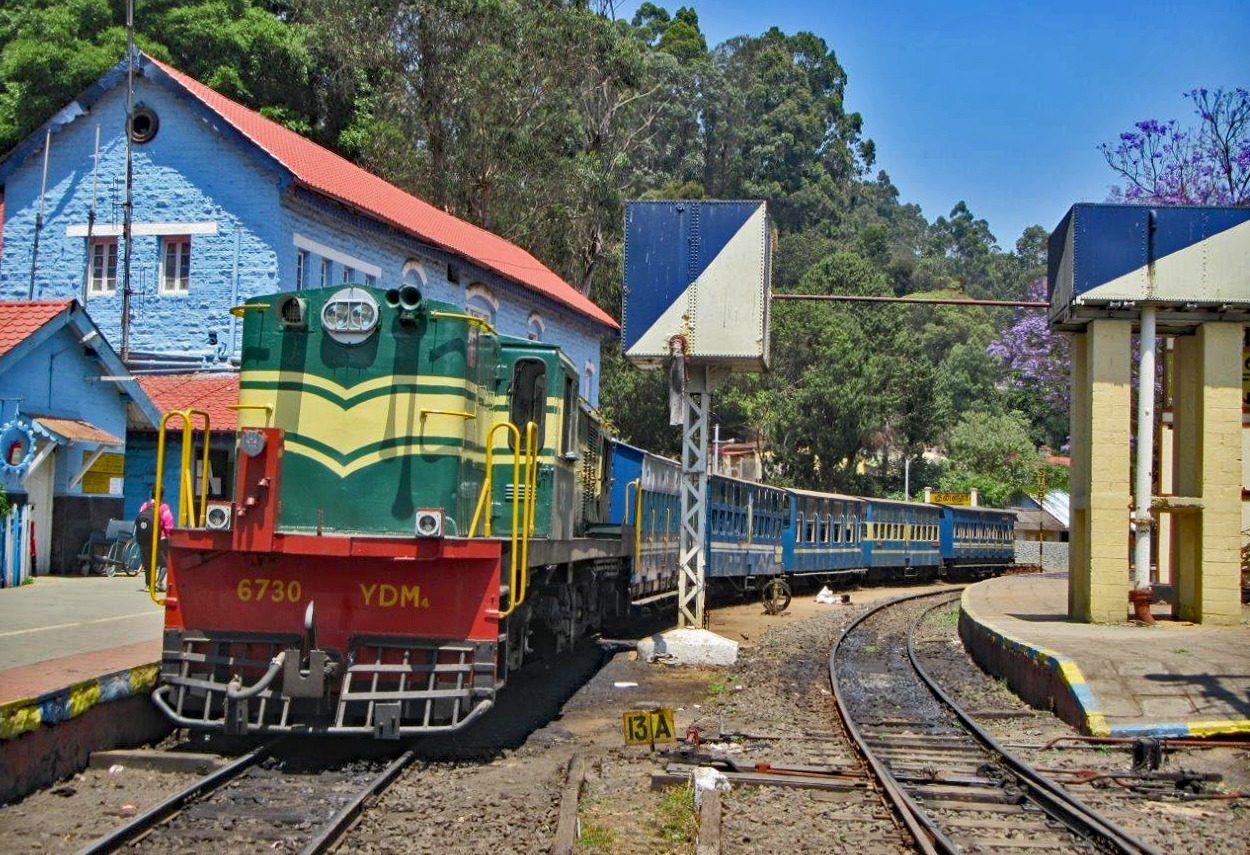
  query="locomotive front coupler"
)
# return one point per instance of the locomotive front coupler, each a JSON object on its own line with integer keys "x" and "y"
{"x": 307, "y": 670}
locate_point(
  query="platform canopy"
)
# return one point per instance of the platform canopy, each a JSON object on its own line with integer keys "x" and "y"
{"x": 1191, "y": 263}
{"x": 700, "y": 269}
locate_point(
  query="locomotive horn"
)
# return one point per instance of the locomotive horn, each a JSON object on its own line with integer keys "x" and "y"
{"x": 392, "y": 298}
{"x": 409, "y": 298}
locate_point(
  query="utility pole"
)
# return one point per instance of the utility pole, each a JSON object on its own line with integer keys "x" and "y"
{"x": 43, "y": 192}
{"x": 127, "y": 205}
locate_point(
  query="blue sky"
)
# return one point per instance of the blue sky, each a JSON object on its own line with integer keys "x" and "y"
{"x": 1003, "y": 103}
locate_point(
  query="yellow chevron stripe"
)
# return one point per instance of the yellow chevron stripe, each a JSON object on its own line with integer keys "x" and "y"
{"x": 350, "y": 391}
{"x": 370, "y": 421}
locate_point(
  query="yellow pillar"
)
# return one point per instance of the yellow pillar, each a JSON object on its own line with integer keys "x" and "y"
{"x": 1098, "y": 564}
{"x": 1206, "y": 545}
{"x": 1078, "y": 479}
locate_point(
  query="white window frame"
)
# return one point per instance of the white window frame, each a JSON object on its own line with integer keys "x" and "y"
{"x": 326, "y": 273}
{"x": 589, "y": 373}
{"x": 303, "y": 259}
{"x": 109, "y": 282}
{"x": 482, "y": 293}
{"x": 535, "y": 320}
{"x": 182, "y": 269}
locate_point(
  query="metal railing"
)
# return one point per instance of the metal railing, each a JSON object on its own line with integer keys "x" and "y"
{"x": 523, "y": 496}
{"x": 186, "y": 490}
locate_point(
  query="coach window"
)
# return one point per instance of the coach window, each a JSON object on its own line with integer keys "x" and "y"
{"x": 529, "y": 396}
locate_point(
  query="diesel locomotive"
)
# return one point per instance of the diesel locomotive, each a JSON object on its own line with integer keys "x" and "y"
{"x": 420, "y": 504}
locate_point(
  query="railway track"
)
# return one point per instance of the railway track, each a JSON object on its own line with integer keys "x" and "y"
{"x": 954, "y": 786}
{"x": 267, "y": 799}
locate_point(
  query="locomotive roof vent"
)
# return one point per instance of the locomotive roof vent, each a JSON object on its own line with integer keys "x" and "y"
{"x": 350, "y": 316}
{"x": 293, "y": 313}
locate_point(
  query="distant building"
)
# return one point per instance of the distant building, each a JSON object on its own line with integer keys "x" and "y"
{"x": 230, "y": 205}
{"x": 741, "y": 460}
{"x": 66, "y": 403}
{"x": 1042, "y": 529}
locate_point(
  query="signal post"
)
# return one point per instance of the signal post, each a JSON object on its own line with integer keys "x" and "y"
{"x": 696, "y": 293}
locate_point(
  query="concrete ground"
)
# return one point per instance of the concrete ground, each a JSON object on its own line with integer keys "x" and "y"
{"x": 1140, "y": 678}
{"x": 61, "y": 629}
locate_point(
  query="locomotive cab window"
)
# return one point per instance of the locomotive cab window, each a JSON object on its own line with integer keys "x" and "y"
{"x": 570, "y": 418}
{"x": 529, "y": 397}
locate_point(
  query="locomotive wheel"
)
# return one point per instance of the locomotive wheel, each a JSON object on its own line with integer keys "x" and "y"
{"x": 776, "y": 596}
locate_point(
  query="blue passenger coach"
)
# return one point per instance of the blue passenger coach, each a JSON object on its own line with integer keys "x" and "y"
{"x": 745, "y": 521}
{"x": 645, "y": 501}
{"x": 823, "y": 533}
{"x": 977, "y": 537}
{"x": 901, "y": 535}
{"x": 759, "y": 537}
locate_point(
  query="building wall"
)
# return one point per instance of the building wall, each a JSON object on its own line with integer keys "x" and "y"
{"x": 188, "y": 173}
{"x": 60, "y": 378}
{"x": 192, "y": 172}
{"x": 141, "y": 469}
{"x": 1049, "y": 555}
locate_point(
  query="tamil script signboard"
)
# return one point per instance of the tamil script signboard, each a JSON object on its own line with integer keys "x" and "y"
{"x": 965, "y": 498}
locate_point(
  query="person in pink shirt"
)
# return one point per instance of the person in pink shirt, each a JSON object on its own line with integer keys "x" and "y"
{"x": 166, "y": 523}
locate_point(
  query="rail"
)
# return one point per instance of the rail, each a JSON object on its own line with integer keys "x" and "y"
{"x": 186, "y": 489}
{"x": 321, "y": 839}
{"x": 1077, "y": 817}
{"x": 119, "y": 837}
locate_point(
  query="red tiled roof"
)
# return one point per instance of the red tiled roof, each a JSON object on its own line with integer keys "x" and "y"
{"x": 212, "y": 393}
{"x": 326, "y": 173}
{"x": 20, "y": 320}
{"x": 79, "y": 430}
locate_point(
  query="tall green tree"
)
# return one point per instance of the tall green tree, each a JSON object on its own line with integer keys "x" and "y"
{"x": 250, "y": 50}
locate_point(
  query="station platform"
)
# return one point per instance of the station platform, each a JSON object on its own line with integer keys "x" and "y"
{"x": 1174, "y": 679}
{"x": 78, "y": 658}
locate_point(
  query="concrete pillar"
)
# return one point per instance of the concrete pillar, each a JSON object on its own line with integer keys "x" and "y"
{"x": 1101, "y": 424}
{"x": 1078, "y": 480}
{"x": 1207, "y": 465}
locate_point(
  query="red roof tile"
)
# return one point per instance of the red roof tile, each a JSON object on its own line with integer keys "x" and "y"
{"x": 212, "y": 393}
{"x": 331, "y": 175}
{"x": 78, "y": 430}
{"x": 20, "y": 320}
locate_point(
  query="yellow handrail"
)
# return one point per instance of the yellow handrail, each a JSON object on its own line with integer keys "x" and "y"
{"x": 484, "y": 500}
{"x": 636, "y": 484}
{"x": 425, "y": 411}
{"x": 186, "y": 492}
{"x": 472, "y": 319}
{"x": 531, "y": 490}
{"x": 238, "y": 311}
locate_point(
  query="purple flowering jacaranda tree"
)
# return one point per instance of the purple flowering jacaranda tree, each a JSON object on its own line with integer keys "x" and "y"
{"x": 1035, "y": 360}
{"x": 1162, "y": 163}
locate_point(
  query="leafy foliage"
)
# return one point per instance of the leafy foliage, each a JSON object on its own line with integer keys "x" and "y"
{"x": 538, "y": 119}
{"x": 1163, "y": 163}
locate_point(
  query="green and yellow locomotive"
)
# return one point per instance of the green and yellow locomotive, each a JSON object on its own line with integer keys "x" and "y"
{"x": 413, "y": 506}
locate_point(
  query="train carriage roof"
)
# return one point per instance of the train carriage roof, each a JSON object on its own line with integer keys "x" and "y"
{"x": 901, "y": 504}
{"x": 815, "y": 494}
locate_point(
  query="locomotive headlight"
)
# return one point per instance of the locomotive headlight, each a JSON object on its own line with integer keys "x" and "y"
{"x": 429, "y": 522}
{"x": 350, "y": 316}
